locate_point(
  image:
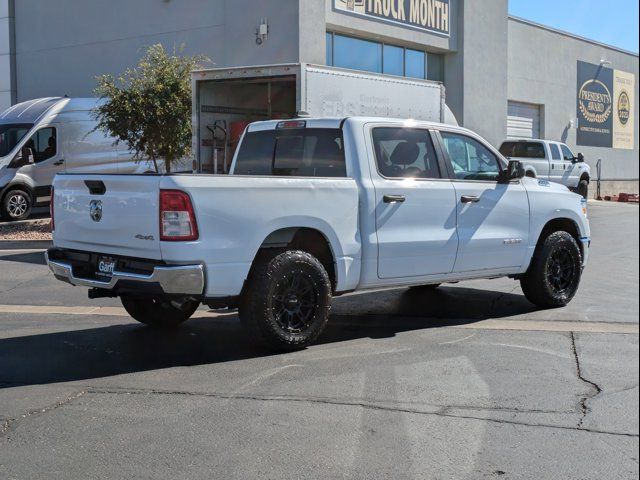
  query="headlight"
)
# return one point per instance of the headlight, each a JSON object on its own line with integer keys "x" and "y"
{"x": 585, "y": 209}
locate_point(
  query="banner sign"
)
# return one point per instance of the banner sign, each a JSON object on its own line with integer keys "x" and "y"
{"x": 427, "y": 15}
{"x": 624, "y": 88}
{"x": 605, "y": 106}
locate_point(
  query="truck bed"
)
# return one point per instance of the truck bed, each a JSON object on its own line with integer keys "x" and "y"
{"x": 235, "y": 214}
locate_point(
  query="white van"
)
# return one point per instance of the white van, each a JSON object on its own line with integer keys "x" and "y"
{"x": 42, "y": 137}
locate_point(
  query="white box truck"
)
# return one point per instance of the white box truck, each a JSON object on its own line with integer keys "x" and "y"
{"x": 226, "y": 100}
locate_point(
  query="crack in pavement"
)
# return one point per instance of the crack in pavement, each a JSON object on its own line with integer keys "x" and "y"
{"x": 596, "y": 390}
{"x": 6, "y": 424}
{"x": 439, "y": 411}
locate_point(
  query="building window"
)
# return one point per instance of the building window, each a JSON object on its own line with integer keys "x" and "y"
{"x": 329, "y": 49}
{"x": 357, "y": 54}
{"x": 393, "y": 60}
{"x": 435, "y": 67}
{"x": 377, "y": 57}
{"x": 415, "y": 64}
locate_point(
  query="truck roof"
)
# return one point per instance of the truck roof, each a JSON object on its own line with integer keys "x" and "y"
{"x": 335, "y": 122}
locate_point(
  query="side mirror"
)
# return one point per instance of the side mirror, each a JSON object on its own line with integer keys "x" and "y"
{"x": 514, "y": 171}
{"x": 580, "y": 157}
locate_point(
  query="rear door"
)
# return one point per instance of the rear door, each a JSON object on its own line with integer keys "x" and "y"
{"x": 115, "y": 214}
{"x": 492, "y": 218}
{"x": 415, "y": 204}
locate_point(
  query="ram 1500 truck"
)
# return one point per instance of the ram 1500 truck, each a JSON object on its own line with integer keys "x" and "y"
{"x": 316, "y": 208}
{"x": 552, "y": 161}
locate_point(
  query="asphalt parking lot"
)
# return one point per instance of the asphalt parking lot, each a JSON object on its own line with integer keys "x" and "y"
{"x": 467, "y": 382}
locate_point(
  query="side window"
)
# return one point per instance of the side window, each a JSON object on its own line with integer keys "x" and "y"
{"x": 555, "y": 151}
{"x": 303, "y": 153}
{"x": 566, "y": 153}
{"x": 470, "y": 159}
{"x": 405, "y": 153}
{"x": 43, "y": 144}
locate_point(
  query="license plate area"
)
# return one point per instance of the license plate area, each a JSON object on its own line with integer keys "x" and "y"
{"x": 105, "y": 267}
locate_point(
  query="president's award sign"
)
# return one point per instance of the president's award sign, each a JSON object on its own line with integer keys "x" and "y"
{"x": 605, "y": 107}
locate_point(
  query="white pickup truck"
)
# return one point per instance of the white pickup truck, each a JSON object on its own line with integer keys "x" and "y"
{"x": 552, "y": 161}
{"x": 316, "y": 208}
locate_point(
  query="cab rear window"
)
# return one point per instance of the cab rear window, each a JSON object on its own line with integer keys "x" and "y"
{"x": 306, "y": 152}
{"x": 523, "y": 150}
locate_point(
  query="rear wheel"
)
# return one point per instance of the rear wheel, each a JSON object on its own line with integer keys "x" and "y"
{"x": 16, "y": 205}
{"x": 287, "y": 300}
{"x": 583, "y": 188}
{"x": 554, "y": 275}
{"x": 158, "y": 312}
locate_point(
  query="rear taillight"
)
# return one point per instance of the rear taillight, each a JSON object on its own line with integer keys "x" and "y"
{"x": 177, "y": 220}
{"x": 51, "y": 210}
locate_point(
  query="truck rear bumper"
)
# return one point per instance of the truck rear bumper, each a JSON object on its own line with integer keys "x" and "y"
{"x": 163, "y": 279}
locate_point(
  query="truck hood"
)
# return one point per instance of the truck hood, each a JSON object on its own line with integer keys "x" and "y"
{"x": 543, "y": 185}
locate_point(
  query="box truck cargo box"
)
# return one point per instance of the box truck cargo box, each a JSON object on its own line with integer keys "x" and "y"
{"x": 226, "y": 100}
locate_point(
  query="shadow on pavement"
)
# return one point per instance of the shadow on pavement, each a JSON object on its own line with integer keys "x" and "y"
{"x": 121, "y": 349}
{"x": 36, "y": 258}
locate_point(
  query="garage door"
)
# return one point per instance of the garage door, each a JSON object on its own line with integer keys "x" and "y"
{"x": 523, "y": 120}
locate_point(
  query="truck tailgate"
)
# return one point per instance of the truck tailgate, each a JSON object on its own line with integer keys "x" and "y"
{"x": 111, "y": 214}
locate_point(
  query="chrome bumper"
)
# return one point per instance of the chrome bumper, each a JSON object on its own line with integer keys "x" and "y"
{"x": 174, "y": 280}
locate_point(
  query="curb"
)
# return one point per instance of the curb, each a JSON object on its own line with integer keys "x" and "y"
{"x": 25, "y": 244}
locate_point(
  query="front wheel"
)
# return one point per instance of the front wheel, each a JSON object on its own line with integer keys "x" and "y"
{"x": 554, "y": 275}
{"x": 16, "y": 205}
{"x": 158, "y": 312}
{"x": 287, "y": 299}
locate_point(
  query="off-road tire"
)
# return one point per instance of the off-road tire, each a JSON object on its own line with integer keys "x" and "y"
{"x": 583, "y": 188}
{"x": 269, "y": 299}
{"x": 16, "y": 205}
{"x": 159, "y": 313}
{"x": 554, "y": 275}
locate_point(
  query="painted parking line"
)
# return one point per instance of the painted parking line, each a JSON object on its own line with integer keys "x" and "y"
{"x": 492, "y": 324}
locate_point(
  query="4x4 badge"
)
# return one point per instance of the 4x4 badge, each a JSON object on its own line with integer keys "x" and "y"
{"x": 95, "y": 210}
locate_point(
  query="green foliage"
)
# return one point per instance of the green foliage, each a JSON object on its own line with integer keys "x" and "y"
{"x": 149, "y": 107}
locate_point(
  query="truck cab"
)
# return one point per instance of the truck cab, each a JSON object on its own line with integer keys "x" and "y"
{"x": 553, "y": 161}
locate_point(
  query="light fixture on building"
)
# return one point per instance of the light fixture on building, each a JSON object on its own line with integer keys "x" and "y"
{"x": 262, "y": 32}
{"x": 604, "y": 61}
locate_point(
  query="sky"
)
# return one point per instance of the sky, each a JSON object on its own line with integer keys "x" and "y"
{"x": 614, "y": 22}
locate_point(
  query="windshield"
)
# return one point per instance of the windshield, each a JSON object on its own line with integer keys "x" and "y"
{"x": 522, "y": 150}
{"x": 10, "y": 136}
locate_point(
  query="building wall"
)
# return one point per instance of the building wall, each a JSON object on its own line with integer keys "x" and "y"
{"x": 77, "y": 40}
{"x": 476, "y": 74}
{"x": 543, "y": 70}
{"x": 7, "y": 57}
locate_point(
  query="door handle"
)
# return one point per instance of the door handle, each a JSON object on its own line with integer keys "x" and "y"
{"x": 469, "y": 199}
{"x": 59, "y": 162}
{"x": 394, "y": 198}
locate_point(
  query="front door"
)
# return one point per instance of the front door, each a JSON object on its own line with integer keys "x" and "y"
{"x": 415, "y": 205}
{"x": 47, "y": 161}
{"x": 492, "y": 217}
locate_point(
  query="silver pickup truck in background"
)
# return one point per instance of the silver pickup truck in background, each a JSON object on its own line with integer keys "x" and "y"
{"x": 553, "y": 161}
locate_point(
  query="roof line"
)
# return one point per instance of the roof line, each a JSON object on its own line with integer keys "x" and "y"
{"x": 572, "y": 35}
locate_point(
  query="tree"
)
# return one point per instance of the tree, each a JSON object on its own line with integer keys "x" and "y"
{"x": 149, "y": 107}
